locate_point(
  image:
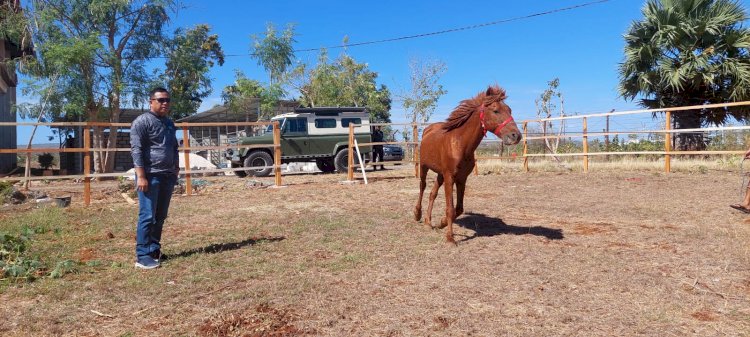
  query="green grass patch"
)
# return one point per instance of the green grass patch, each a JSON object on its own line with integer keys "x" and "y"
{"x": 6, "y": 189}
{"x": 19, "y": 263}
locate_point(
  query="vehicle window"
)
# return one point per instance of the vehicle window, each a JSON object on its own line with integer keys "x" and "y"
{"x": 325, "y": 123}
{"x": 346, "y": 121}
{"x": 269, "y": 127}
{"x": 295, "y": 125}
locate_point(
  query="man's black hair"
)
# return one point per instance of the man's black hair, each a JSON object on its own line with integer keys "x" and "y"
{"x": 155, "y": 90}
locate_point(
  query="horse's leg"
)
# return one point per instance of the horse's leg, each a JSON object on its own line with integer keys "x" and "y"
{"x": 433, "y": 195}
{"x": 450, "y": 212}
{"x": 460, "y": 188}
{"x": 422, "y": 185}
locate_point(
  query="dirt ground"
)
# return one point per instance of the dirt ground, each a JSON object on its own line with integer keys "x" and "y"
{"x": 540, "y": 254}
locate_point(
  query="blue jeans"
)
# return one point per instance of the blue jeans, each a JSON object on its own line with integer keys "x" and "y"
{"x": 153, "y": 206}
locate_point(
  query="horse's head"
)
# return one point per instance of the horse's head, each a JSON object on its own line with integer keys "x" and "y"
{"x": 496, "y": 116}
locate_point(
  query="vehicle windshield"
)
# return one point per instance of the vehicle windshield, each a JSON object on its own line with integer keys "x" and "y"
{"x": 269, "y": 128}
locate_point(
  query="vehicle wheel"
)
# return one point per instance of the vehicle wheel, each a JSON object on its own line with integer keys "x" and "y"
{"x": 258, "y": 159}
{"x": 326, "y": 165}
{"x": 240, "y": 174}
{"x": 342, "y": 161}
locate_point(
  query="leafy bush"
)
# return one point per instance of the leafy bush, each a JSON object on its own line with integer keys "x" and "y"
{"x": 46, "y": 160}
{"x": 6, "y": 190}
{"x": 17, "y": 264}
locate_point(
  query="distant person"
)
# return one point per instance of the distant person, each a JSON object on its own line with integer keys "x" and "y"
{"x": 153, "y": 142}
{"x": 377, "y": 150}
{"x": 745, "y": 205}
{"x": 70, "y": 143}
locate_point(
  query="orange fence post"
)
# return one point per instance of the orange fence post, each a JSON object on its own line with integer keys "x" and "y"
{"x": 525, "y": 147}
{"x": 415, "y": 132}
{"x": 186, "y": 151}
{"x": 277, "y": 153}
{"x": 86, "y": 165}
{"x": 668, "y": 143}
{"x": 585, "y": 147}
{"x": 350, "y": 154}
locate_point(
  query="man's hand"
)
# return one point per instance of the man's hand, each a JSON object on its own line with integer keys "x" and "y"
{"x": 142, "y": 184}
{"x": 142, "y": 180}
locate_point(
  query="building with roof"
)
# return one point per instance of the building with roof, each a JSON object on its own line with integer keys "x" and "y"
{"x": 199, "y": 135}
{"x": 9, "y": 50}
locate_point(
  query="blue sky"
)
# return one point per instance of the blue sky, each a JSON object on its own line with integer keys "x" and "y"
{"x": 582, "y": 47}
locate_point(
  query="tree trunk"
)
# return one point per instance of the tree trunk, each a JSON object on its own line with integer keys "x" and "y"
{"x": 691, "y": 141}
{"x": 27, "y": 169}
{"x": 109, "y": 159}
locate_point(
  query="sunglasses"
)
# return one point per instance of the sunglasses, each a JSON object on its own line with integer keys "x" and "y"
{"x": 162, "y": 100}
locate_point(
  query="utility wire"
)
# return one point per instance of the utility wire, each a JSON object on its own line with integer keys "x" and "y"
{"x": 409, "y": 37}
{"x": 460, "y": 28}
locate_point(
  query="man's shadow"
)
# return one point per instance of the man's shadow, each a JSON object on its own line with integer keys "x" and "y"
{"x": 221, "y": 247}
{"x": 483, "y": 225}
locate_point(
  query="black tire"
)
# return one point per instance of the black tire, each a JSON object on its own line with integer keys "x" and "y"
{"x": 240, "y": 174}
{"x": 256, "y": 159}
{"x": 342, "y": 161}
{"x": 326, "y": 165}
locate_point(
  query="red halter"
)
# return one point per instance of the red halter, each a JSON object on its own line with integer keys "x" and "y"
{"x": 498, "y": 128}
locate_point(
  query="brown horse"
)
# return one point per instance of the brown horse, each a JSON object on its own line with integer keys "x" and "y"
{"x": 448, "y": 149}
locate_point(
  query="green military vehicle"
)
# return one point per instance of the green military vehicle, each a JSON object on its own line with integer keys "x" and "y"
{"x": 307, "y": 134}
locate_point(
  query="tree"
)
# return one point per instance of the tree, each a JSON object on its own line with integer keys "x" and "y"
{"x": 274, "y": 52}
{"x": 190, "y": 55}
{"x": 244, "y": 93}
{"x": 546, "y": 106}
{"x": 689, "y": 52}
{"x": 342, "y": 83}
{"x": 98, "y": 48}
{"x": 14, "y": 26}
{"x": 421, "y": 99}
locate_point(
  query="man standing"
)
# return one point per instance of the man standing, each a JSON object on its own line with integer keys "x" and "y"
{"x": 744, "y": 207}
{"x": 377, "y": 150}
{"x": 153, "y": 142}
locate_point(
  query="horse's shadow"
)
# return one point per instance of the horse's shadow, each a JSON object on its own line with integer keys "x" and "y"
{"x": 483, "y": 225}
{"x": 220, "y": 247}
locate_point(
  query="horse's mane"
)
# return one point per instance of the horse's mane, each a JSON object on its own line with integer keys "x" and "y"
{"x": 466, "y": 108}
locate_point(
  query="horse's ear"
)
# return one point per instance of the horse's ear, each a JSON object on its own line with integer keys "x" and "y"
{"x": 490, "y": 91}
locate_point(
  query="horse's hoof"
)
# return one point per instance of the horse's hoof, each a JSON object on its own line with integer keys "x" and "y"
{"x": 428, "y": 223}
{"x": 449, "y": 240}
{"x": 417, "y": 214}
{"x": 443, "y": 222}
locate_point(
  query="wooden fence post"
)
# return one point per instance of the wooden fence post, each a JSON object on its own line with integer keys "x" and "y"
{"x": 350, "y": 155}
{"x": 186, "y": 151}
{"x": 415, "y": 132}
{"x": 277, "y": 153}
{"x": 525, "y": 147}
{"x": 668, "y": 143}
{"x": 585, "y": 147}
{"x": 87, "y": 165}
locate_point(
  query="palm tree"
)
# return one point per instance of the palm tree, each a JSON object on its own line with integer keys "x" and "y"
{"x": 689, "y": 52}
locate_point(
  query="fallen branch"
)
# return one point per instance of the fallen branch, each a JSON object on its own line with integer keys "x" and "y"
{"x": 101, "y": 314}
{"x": 128, "y": 198}
{"x": 700, "y": 286}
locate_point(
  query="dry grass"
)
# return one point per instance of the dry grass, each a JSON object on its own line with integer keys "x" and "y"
{"x": 616, "y": 164}
{"x": 599, "y": 254}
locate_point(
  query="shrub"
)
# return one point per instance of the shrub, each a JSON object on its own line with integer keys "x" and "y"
{"x": 45, "y": 160}
{"x": 6, "y": 190}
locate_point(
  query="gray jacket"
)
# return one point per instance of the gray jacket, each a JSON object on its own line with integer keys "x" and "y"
{"x": 153, "y": 144}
